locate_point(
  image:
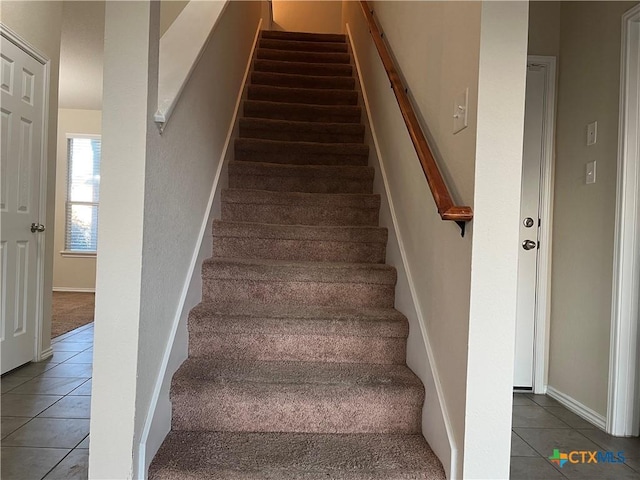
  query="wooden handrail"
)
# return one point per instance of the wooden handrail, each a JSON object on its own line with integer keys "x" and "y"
{"x": 439, "y": 190}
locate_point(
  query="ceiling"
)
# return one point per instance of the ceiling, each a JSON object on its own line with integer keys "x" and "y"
{"x": 81, "y": 55}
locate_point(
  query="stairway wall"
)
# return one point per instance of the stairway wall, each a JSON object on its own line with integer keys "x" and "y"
{"x": 151, "y": 247}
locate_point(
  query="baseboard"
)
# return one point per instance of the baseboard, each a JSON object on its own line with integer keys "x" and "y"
{"x": 578, "y": 408}
{"x": 74, "y": 289}
{"x": 447, "y": 450}
{"x": 45, "y": 354}
{"x": 158, "y": 420}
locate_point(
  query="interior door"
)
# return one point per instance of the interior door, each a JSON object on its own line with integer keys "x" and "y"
{"x": 22, "y": 80}
{"x": 529, "y": 226}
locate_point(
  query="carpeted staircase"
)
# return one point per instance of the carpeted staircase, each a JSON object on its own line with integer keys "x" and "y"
{"x": 296, "y": 365}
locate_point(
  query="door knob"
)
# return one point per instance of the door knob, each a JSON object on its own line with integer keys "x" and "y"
{"x": 529, "y": 244}
{"x": 37, "y": 227}
{"x": 528, "y": 222}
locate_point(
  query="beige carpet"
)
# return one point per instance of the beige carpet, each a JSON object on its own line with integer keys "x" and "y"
{"x": 70, "y": 311}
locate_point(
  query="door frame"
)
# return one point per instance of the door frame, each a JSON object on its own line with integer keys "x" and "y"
{"x": 543, "y": 275}
{"x": 623, "y": 412}
{"x": 8, "y": 35}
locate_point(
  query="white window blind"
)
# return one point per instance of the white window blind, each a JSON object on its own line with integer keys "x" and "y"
{"x": 83, "y": 194}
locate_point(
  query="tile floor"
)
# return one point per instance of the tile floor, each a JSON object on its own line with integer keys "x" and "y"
{"x": 540, "y": 424}
{"x": 46, "y": 406}
{"x": 45, "y": 412}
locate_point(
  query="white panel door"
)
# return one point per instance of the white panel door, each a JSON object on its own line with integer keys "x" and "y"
{"x": 529, "y": 226}
{"x": 22, "y": 100}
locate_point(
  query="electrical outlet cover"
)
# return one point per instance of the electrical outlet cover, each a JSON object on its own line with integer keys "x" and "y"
{"x": 460, "y": 111}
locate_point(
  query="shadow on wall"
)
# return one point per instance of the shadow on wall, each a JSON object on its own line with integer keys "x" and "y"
{"x": 304, "y": 16}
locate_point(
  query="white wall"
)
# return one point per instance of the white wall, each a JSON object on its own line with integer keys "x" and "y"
{"x": 317, "y": 16}
{"x": 165, "y": 182}
{"x": 169, "y": 11}
{"x": 71, "y": 273}
{"x": 438, "y": 258}
{"x": 584, "y": 215}
{"x": 443, "y": 48}
{"x": 40, "y": 24}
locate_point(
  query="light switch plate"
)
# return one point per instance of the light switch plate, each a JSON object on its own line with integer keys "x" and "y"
{"x": 460, "y": 107}
{"x": 591, "y": 173}
{"x": 592, "y": 133}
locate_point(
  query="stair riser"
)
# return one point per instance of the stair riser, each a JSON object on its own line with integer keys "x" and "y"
{"x": 299, "y": 184}
{"x": 221, "y": 291}
{"x": 293, "y": 135}
{"x": 304, "y": 96}
{"x": 302, "y": 68}
{"x": 302, "y": 46}
{"x": 298, "y": 250}
{"x": 306, "y": 57}
{"x": 301, "y": 113}
{"x": 304, "y": 36}
{"x": 285, "y": 408}
{"x": 299, "y": 215}
{"x": 299, "y": 158}
{"x": 302, "y": 81}
{"x": 298, "y": 348}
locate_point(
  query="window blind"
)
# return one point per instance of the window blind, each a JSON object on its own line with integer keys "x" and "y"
{"x": 83, "y": 194}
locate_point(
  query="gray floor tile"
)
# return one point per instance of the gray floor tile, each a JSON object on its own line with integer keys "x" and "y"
{"x": 34, "y": 369}
{"x": 543, "y": 400}
{"x": 75, "y": 466}
{"x": 634, "y": 463}
{"x": 49, "y": 432}
{"x": 77, "y": 370}
{"x": 59, "y": 357}
{"x": 69, "y": 346}
{"x": 84, "y": 443}
{"x": 570, "y": 418}
{"x": 11, "y": 424}
{"x": 14, "y": 405}
{"x": 10, "y": 382}
{"x": 629, "y": 445}
{"x": 69, "y": 407}
{"x": 84, "y": 389}
{"x": 599, "y": 471}
{"x": 545, "y": 440}
{"x": 519, "y": 447}
{"x": 19, "y": 463}
{"x": 533, "y": 468}
{"x": 49, "y": 386}
{"x": 84, "y": 357}
{"x": 535, "y": 417}
{"x": 522, "y": 399}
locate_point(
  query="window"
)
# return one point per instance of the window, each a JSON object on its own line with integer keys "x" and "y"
{"x": 83, "y": 193}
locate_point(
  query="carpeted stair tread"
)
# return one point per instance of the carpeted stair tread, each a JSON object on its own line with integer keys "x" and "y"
{"x": 299, "y": 243}
{"x": 275, "y": 333}
{"x": 264, "y": 270}
{"x": 297, "y": 232}
{"x": 307, "y": 96}
{"x": 298, "y": 208}
{"x": 300, "y": 153}
{"x": 270, "y": 129}
{"x": 366, "y": 322}
{"x": 302, "y": 112}
{"x": 302, "y": 46}
{"x": 304, "y": 36}
{"x": 303, "y": 68}
{"x": 303, "y": 81}
{"x": 277, "y": 177}
{"x": 295, "y": 456}
{"x": 307, "y": 57}
{"x": 244, "y": 395}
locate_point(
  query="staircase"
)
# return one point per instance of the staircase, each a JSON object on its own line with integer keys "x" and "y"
{"x": 296, "y": 365}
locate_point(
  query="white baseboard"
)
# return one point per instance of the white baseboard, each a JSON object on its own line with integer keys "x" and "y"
{"x": 440, "y": 434}
{"x": 158, "y": 420}
{"x": 578, "y": 408}
{"x": 74, "y": 289}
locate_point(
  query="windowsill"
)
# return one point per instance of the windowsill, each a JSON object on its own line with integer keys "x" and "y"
{"x": 69, "y": 253}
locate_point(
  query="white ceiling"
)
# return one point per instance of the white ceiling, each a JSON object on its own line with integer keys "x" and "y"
{"x": 81, "y": 55}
